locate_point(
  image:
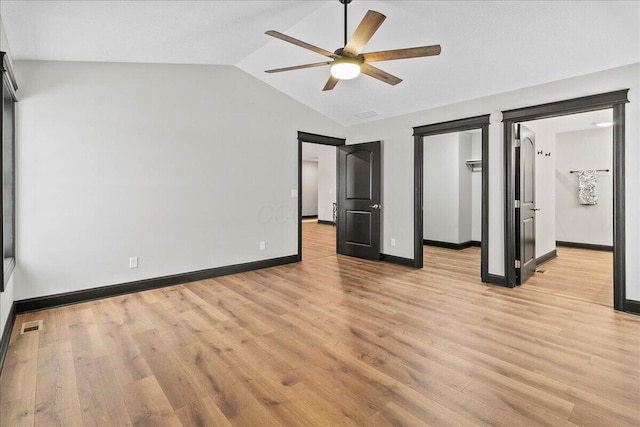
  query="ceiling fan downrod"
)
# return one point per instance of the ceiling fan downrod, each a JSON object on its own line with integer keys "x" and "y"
{"x": 345, "y": 3}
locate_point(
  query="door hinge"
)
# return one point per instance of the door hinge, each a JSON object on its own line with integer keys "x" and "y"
{"x": 517, "y": 263}
{"x": 516, "y": 142}
{"x": 517, "y": 204}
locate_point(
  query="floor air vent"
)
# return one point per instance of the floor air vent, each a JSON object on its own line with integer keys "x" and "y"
{"x": 33, "y": 326}
{"x": 541, "y": 271}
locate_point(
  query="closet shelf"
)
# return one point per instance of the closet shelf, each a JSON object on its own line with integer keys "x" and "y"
{"x": 474, "y": 165}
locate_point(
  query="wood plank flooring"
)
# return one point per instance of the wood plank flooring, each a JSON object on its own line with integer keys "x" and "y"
{"x": 330, "y": 341}
{"x": 577, "y": 273}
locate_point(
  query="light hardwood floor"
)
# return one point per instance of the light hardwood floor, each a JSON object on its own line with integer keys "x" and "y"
{"x": 332, "y": 340}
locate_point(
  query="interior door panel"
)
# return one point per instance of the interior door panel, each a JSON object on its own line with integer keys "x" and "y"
{"x": 525, "y": 193}
{"x": 359, "y": 200}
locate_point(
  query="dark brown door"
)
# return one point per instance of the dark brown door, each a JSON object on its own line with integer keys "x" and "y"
{"x": 525, "y": 198}
{"x": 359, "y": 203}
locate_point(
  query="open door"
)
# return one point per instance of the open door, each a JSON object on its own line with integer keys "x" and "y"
{"x": 358, "y": 200}
{"x": 525, "y": 203}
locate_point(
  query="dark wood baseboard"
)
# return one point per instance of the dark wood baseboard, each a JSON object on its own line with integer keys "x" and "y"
{"x": 547, "y": 257}
{"x": 322, "y": 221}
{"x": 447, "y": 245}
{"x": 494, "y": 279}
{"x": 604, "y": 248}
{"x": 632, "y": 306}
{"x": 6, "y": 334}
{"x": 50, "y": 301}
{"x": 397, "y": 260}
{"x": 309, "y": 216}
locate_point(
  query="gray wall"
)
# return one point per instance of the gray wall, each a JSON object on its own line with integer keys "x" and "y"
{"x": 476, "y": 189}
{"x": 326, "y": 181}
{"x": 587, "y": 149}
{"x": 465, "y": 190}
{"x": 441, "y": 188}
{"x": 309, "y": 188}
{"x": 448, "y": 188}
{"x": 187, "y": 167}
{"x": 545, "y": 183}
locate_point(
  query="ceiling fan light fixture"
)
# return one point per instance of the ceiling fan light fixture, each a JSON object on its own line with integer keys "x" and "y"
{"x": 345, "y": 68}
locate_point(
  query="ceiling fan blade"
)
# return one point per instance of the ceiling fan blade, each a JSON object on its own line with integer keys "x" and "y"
{"x": 377, "y": 73}
{"x": 298, "y": 67}
{"x": 331, "y": 83}
{"x": 300, "y": 43}
{"x": 368, "y": 26}
{"x": 411, "y": 52}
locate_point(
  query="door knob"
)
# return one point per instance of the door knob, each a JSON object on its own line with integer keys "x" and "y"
{"x": 375, "y": 206}
{"x": 535, "y": 209}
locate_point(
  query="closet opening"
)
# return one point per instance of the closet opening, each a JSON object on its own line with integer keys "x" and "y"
{"x": 451, "y": 196}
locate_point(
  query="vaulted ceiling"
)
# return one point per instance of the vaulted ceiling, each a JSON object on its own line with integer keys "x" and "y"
{"x": 487, "y": 46}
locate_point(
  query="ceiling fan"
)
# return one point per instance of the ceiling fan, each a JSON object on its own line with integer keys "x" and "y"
{"x": 348, "y": 61}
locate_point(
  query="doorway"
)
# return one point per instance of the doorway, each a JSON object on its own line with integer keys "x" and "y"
{"x": 614, "y": 101}
{"x": 317, "y": 156}
{"x": 481, "y": 166}
{"x": 574, "y": 206}
{"x": 452, "y": 200}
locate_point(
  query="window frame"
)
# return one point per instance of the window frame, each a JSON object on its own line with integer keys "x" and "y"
{"x": 9, "y": 87}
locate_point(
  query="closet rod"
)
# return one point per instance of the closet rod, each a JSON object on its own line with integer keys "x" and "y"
{"x": 597, "y": 170}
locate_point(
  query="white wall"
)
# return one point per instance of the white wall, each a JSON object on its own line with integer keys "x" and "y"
{"x": 187, "y": 167}
{"x": 309, "y": 188}
{"x": 581, "y": 150}
{"x": 545, "y": 184}
{"x": 397, "y": 135}
{"x": 464, "y": 192}
{"x": 326, "y": 181}
{"x": 447, "y": 198}
{"x": 6, "y": 297}
{"x": 476, "y": 189}
{"x": 441, "y": 188}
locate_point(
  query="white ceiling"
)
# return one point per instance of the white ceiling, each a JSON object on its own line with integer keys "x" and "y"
{"x": 487, "y": 46}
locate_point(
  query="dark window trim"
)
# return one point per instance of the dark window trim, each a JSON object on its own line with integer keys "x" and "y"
{"x": 8, "y": 83}
{"x": 419, "y": 132}
{"x": 616, "y": 101}
{"x": 314, "y": 139}
{"x": 7, "y": 73}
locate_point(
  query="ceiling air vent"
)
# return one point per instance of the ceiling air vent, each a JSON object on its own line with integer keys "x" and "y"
{"x": 367, "y": 114}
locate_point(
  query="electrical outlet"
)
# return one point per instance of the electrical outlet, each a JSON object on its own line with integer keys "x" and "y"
{"x": 263, "y": 246}
{"x": 294, "y": 193}
{"x": 393, "y": 242}
{"x": 133, "y": 262}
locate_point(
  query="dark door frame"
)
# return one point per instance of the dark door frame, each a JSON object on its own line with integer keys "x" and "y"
{"x": 314, "y": 139}
{"x": 419, "y": 132}
{"x": 616, "y": 101}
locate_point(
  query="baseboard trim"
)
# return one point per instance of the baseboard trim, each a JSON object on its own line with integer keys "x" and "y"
{"x": 632, "y": 306}
{"x": 547, "y": 257}
{"x": 322, "y": 221}
{"x": 397, "y": 260}
{"x": 447, "y": 245}
{"x": 6, "y": 334}
{"x": 604, "y": 248}
{"x": 309, "y": 216}
{"x": 57, "y": 300}
{"x": 495, "y": 280}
